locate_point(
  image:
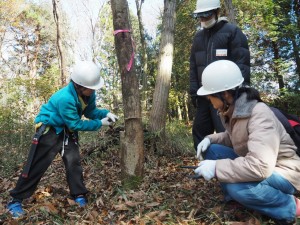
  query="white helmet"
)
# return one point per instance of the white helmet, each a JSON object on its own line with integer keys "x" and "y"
{"x": 87, "y": 74}
{"x": 220, "y": 76}
{"x": 206, "y": 5}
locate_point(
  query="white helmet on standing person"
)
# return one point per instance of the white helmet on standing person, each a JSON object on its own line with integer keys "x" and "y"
{"x": 206, "y": 5}
{"x": 87, "y": 74}
{"x": 220, "y": 76}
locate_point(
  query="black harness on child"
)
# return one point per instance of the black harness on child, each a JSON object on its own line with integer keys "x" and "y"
{"x": 35, "y": 141}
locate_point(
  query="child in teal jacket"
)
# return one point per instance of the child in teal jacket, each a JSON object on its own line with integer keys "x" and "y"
{"x": 57, "y": 125}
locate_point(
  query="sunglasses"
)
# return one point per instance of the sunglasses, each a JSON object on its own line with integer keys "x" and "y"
{"x": 204, "y": 14}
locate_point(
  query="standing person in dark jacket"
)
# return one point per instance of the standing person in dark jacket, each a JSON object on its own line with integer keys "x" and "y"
{"x": 58, "y": 123}
{"x": 216, "y": 40}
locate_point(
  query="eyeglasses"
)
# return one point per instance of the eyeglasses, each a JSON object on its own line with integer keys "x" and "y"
{"x": 204, "y": 14}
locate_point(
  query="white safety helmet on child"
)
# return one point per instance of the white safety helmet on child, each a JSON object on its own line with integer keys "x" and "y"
{"x": 87, "y": 74}
{"x": 206, "y": 5}
{"x": 220, "y": 76}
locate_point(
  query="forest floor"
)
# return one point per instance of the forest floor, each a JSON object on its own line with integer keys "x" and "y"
{"x": 166, "y": 195}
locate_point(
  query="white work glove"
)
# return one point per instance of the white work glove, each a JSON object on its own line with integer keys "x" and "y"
{"x": 202, "y": 147}
{"x": 105, "y": 122}
{"x": 206, "y": 169}
{"x": 113, "y": 117}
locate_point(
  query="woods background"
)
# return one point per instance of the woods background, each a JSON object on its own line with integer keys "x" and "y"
{"x": 41, "y": 40}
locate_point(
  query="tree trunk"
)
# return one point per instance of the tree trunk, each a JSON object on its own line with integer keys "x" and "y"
{"x": 132, "y": 140}
{"x": 296, "y": 47}
{"x": 230, "y": 11}
{"x": 178, "y": 106}
{"x": 296, "y": 50}
{"x": 144, "y": 58}
{"x": 161, "y": 93}
{"x": 186, "y": 108}
{"x": 60, "y": 49}
{"x": 276, "y": 66}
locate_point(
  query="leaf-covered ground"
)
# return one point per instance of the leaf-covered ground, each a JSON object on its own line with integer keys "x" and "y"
{"x": 166, "y": 195}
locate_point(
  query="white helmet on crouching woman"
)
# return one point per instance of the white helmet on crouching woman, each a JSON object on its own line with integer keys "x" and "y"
{"x": 87, "y": 74}
{"x": 220, "y": 76}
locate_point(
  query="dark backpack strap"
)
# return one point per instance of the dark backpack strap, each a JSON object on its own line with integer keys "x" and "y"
{"x": 291, "y": 124}
{"x": 282, "y": 118}
{"x": 35, "y": 141}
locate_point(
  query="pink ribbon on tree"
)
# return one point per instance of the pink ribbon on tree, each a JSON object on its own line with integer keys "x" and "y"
{"x": 129, "y": 65}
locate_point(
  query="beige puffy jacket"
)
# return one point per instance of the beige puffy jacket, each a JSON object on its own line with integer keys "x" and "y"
{"x": 262, "y": 143}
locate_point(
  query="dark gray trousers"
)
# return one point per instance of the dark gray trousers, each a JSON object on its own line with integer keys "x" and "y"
{"x": 50, "y": 144}
{"x": 206, "y": 121}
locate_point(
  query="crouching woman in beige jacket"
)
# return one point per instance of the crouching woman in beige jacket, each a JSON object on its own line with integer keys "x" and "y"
{"x": 255, "y": 158}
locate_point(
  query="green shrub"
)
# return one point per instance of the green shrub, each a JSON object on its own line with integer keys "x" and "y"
{"x": 179, "y": 138}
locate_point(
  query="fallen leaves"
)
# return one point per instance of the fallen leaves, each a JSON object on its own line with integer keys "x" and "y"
{"x": 166, "y": 196}
{"x": 152, "y": 204}
{"x": 48, "y": 207}
{"x": 252, "y": 221}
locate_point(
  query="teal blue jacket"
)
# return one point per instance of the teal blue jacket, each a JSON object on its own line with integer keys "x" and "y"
{"x": 64, "y": 109}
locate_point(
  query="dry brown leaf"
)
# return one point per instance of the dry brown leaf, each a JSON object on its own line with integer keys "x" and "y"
{"x": 45, "y": 193}
{"x": 2, "y": 209}
{"x": 152, "y": 214}
{"x": 152, "y": 204}
{"x": 132, "y": 204}
{"x": 191, "y": 214}
{"x": 49, "y": 207}
{"x": 236, "y": 223}
{"x": 94, "y": 213}
{"x": 217, "y": 209}
{"x": 157, "y": 197}
{"x": 5, "y": 184}
{"x": 99, "y": 201}
{"x": 157, "y": 221}
{"x": 11, "y": 222}
{"x": 176, "y": 185}
{"x": 137, "y": 195}
{"x": 121, "y": 207}
{"x": 90, "y": 217}
{"x": 121, "y": 217}
{"x": 142, "y": 222}
{"x": 162, "y": 215}
{"x": 252, "y": 221}
{"x": 71, "y": 201}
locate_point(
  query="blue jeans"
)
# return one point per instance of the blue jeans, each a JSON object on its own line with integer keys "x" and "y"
{"x": 272, "y": 197}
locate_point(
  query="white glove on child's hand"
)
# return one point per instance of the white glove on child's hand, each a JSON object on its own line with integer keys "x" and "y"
{"x": 113, "y": 117}
{"x": 206, "y": 169}
{"x": 105, "y": 121}
{"x": 202, "y": 147}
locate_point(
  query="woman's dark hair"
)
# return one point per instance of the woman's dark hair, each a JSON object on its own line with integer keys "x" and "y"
{"x": 252, "y": 93}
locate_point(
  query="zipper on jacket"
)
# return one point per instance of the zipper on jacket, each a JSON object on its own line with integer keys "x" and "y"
{"x": 207, "y": 50}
